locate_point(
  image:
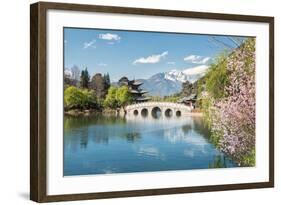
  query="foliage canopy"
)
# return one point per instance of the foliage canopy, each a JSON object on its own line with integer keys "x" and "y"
{"x": 76, "y": 98}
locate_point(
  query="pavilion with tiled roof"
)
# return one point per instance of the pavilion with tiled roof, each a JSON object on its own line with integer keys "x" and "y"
{"x": 135, "y": 90}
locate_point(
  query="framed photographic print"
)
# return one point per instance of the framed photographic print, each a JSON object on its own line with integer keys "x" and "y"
{"x": 134, "y": 102}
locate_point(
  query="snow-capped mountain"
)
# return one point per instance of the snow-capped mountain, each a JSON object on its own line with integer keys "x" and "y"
{"x": 158, "y": 85}
{"x": 190, "y": 74}
{"x": 168, "y": 83}
{"x": 175, "y": 75}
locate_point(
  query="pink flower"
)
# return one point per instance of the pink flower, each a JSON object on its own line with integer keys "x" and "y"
{"x": 234, "y": 116}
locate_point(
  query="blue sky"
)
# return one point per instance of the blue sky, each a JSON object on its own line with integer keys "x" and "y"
{"x": 137, "y": 54}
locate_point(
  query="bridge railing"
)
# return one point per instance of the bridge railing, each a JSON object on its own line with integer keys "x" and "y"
{"x": 157, "y": 104}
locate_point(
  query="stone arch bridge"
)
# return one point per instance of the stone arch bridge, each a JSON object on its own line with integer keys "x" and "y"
{"x": 157, "y": 109}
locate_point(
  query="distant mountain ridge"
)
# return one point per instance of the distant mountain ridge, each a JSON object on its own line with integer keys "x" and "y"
{"x": 160, "y": 84}
{"x": 169, "y": 83}
{"x": 190, "y": 74}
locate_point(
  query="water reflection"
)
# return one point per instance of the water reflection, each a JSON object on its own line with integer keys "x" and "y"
{"x": 219, "y": 162}
{"x": 99, "y": 145}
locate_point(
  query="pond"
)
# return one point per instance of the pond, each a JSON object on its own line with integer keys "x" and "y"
{"x": 104, "y": 145}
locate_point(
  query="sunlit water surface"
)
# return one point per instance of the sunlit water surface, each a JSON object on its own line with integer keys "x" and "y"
{"x": 102, "y": 145}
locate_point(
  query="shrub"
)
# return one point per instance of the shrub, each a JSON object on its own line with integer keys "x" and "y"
{"x": 76, "y": 98}
{"x": 110, "y": 99}
{"x": 118, "y": 97}
{"x": 123, "y": 96}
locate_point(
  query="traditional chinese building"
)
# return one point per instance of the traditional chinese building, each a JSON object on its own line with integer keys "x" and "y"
{"x": 189, "y": 100}
{"x": 134, "y": 87}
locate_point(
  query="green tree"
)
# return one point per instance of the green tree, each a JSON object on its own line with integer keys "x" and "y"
{"x": 73, "y": 97}
{"x": 187, "y": 89}
{"x": 76, "y": 98}
{"x": 171, "y": 98}
{"x": 217, "y": 78}
{"x": 106, "y": 81}
{"x": 90, "y": 99}
{"x": 156, "y": 98}
{"x": 123, "y": 96}
{"x": 98, "y": 85}
{"x": 110, "y": 100}
{"x": 211, "y": 88}
{"x": 84, "y": 79}
{"x": 118, "y": 97}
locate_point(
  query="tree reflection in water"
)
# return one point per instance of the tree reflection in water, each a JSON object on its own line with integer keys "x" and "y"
{"x": 99, "y": 144}
{"x": 219, "y": 162}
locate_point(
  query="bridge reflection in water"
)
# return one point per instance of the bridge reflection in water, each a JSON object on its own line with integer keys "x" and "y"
{"x": 157, "y": 110}
{"x": 138, "y": 143}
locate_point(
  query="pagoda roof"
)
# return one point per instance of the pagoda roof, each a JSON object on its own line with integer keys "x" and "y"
{"x": 138, "y": 91}
{"x": 142, "y": 98}
{"x": 134, "y": 82}
{"x": 191, "y": 97}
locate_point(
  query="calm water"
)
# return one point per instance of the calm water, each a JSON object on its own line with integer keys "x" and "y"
{"x": 101, "y": 145}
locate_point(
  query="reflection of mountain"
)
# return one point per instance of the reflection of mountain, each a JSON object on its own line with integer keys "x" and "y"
{"x": 168, "y": 83}
{"x": 194, "y": 132}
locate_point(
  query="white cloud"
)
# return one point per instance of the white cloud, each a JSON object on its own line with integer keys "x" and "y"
{"x": 65, "y": 41}
{"x": 89, "y": 44}
{"x": 197, "y": 59}
{"x": 201, "y": 69}
{"x": 151, "y": 59}
{"x": 171, "y": 63}
{"x": 102, "y": 64}
{"x": 109, "y": 37}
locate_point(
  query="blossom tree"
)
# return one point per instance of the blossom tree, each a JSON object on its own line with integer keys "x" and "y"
{"x": 234, "y": 115}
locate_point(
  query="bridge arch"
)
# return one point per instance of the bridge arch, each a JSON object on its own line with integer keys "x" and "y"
{"x": 164, "y": 109}
{"x": 144, "y": 112}
{"x": 168, "y": 112}
{"x": 136, "y": 112}
{"x": 156, "y": 112}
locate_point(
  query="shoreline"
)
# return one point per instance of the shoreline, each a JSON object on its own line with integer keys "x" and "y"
{"x": 109, "y": 112}
{"x": 195, "y": 114}
{"x": 89, "y": 112}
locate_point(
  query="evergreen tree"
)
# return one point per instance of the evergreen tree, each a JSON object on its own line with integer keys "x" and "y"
{"x": 84, "y": 78}
{"x": 106, "y": 81}
{"x": 81, "y": 78}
